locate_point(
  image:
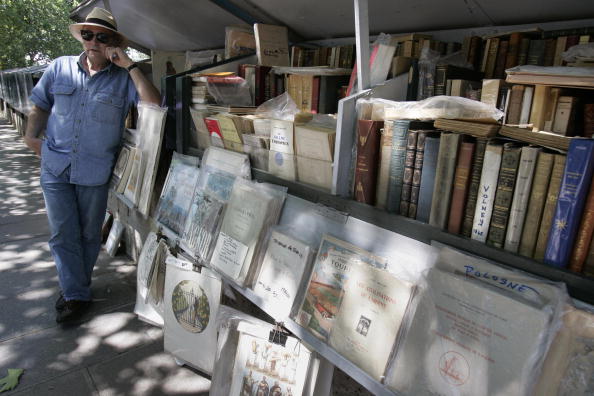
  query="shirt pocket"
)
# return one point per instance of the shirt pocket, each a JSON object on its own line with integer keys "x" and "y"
{"x": 108, "y": 108}
{"x": 63, "y": 98}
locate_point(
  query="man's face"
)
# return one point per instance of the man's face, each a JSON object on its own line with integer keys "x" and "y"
{"x": 95, "y": 49}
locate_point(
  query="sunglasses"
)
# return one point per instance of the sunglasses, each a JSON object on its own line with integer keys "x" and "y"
{"x": 88, "y": 35}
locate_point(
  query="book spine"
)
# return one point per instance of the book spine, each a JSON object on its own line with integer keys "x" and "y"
{"x": 427, "y": 178}
{"x": 416, "y": 181}
{"x": 513, "y": 50}
{"x": 510, "y": 160}
{"x": 473, "y": 188}
{"x": 486, "y": 192}
{"x": 588, "y": 269}
{"x": 395, "y": 179}
{"x": 315, "y": 95}
{"x": 501, "y": 58}
{"x": 536, "y": 203}
{"x": 515, "y": 104}
{"x": 381, "y": 194}
{"x": 549, "y": 208}
{"x": 444, "y": 178}
{"x": 368, "y": 142}
{"x": 461, "y": 184}
{"x": 409, "y": 167}
{"x": 549, "y": 52}
{"x": 440, "y": 80}
{"x": 588, "y": 120}
{"x": 519, "y": 204}
{"x": 584, "y": 235}
{"x": 492, "y": 58}
{"x": 570, "y": 202}
{"x": 523, "y": 53}
{"x": 536, "y": 52}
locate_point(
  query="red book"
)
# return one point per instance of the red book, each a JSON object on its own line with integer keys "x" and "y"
{"x": 212, "y": 124}
{"x": 368, "y": 144}
{"x": 461, "y": 184}
{"x": 315, "y": 95}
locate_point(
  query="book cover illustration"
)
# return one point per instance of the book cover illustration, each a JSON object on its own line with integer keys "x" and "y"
{"x": 177, "y": 194}
{"x": 201, "y": 224}
{"x": 265, "y": 369}
{"x": 326, "y": 287}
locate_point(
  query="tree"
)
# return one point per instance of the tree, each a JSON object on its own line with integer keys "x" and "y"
{"x": 34, "y": 32}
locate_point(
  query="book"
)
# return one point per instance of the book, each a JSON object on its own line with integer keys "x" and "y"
{"x": 575, "y": 185}
{"x": 476, "y": 129}
{"x": 486, "y": 191}
{"x": 315, "y": 141}
{"x": 201, "y": 224}
{"x": 491, "y": 91}
{"x": 499, "y": 71}
{"x": 445, "y": 72}
{"x": 550, "y": 108}
{"x": 115, "y": 236}
{"x": 369, "y": 322}
{"x": 239, "y": 40}
{"x": 427, "y": 178}
{"x": 272, "y": 45}
{"x": 521, "y": 195}
{"x": 383, "y": 172}
{"x": 542, "y": 75}
{"x": 282, "y": 165}
{"x": 122, "y": 169}
{"x": 565, "y": 112}
{"x": 146, "y": 265}
{"x": 539, "y": 106}
{"x": 229, "y": 131}
{"x": 444, "y": 178}
{"x": 506, "y": 180}
{"x": 526, "y": 105}
{"x": 515, "y": 104}
{"x": 282, "y": 136}
{"x": 134, "y": 184}
{"x": 325, "y": 291}
{"x": 315, "y": 172}
{"x": 513, "y": 50}
{"x": 536, "y": 203}
{"x": 416, "y": 179}
{"x": 212, "y": 124}
{"x": 490, "y": 57}
{"x": 281, "y": 274}
{"x": 191, "y": 302}
{"x": 584, "y": 235}
{"x": 523, "y": 52}
{"x": 540, "y": 138}
{"x": 473, "y": 187}
{"x": 559, "y": 49}
{"x": 409, "y": 168}
{"x": 588, "y": 129}
{"x": 550, "y": 205}
{"x": 462, "y": 341}
{"x": 461, "y": 184}
{"x": 368, "y": 141}
{"x": 398, "y": 155}
{"x": 536, "y": 52}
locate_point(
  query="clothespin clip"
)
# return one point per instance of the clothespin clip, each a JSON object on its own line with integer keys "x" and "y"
{"x": 278, "y": 335}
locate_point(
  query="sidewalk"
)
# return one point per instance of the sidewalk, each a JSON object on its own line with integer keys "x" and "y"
{"x": 111, "y": 352}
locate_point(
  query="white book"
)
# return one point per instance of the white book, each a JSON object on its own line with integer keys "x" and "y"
{"x": 272, "y": 45}
{"x": 281, "y": 273}
{"x": 191, "y": 301}
{"x": 368, "y": 323}
{"x": 282, "y": 165}
{"x": 282, "y": 136}
{"x": 146, "y": 265}
{"x": 469, "y": 339}
{"x": 526, "y": 105}
{"x": 517, "y": 212}
{"x": 486, "y": 193}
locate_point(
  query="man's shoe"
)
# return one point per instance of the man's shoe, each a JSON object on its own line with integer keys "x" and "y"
{"x": 72, "y": 310}
{"x": 60, "y": 302}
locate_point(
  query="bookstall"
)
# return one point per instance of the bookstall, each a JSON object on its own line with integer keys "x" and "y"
{"x": 15, "y": 88}
{"x": 241, "y": 187}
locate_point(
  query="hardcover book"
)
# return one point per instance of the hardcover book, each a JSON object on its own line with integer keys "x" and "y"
{"x": 396, "y": 174}
{"x": 367, "y": 326}
{"x": 584, "y": 235}
{"x": 575, "y": 185}
{"x": 461, "y": 184}
{"x": 409, "y": 168}
{"x": 383, "y": 173}
{"x": 417, "y": 172}
{"x": 444, "y": 178}
{"x": 272, "y": 45}
{"x": 368, "y": 141}
{"x": 427, "y": 178}
{"x": 283, "y": 267}
{"x": 331, "y": 272}
{"x": 473, "y": 188}
{"x": 510, "y": 160}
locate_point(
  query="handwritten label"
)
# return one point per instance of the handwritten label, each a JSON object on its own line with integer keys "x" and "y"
{"x": 499, "y": 280}
{"x": 229, "y": 255}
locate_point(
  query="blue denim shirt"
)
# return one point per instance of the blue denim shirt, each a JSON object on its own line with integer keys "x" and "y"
{"x": 86, "y": 120}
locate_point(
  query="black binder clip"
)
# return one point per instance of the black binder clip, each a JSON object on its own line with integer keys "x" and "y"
{"x": 278, "y": 335}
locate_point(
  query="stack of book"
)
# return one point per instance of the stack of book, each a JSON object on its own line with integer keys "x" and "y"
{"x": 342, "y": 56}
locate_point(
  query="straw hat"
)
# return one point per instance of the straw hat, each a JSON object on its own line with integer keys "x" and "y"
{"x": 102, "y": 18}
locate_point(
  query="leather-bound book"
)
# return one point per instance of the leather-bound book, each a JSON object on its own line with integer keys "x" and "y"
{"x": 368, "y": 144}
{"x": 461, "y": 184}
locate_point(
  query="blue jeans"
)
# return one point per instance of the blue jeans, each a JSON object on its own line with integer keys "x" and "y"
{"x": 75, "y": 216}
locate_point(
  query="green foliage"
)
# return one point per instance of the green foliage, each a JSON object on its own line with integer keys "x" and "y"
{"x": 11, "y": 380}
{"x": 35, "y": 32}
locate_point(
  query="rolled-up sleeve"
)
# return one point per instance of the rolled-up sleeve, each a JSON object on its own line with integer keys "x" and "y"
{"x": 41, "y": 95}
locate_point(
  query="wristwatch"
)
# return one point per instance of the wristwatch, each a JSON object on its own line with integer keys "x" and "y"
{"x": 132, "y": 66}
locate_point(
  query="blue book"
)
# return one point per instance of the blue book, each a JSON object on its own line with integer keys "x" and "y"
{"x": 396, "y": 174}
{"x": 427, "y": 178}
{"x": 575, "y": 185}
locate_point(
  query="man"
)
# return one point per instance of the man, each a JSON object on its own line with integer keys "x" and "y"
{"x": 81, "y": 102}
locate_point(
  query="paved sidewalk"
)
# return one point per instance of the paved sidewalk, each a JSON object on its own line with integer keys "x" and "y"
{"x": 111, "y": 352}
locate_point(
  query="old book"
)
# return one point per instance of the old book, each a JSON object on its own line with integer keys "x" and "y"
{"x": 409, "y": 168}
{"x": 417, "y": 171}
{"x": 502, "y": 51}
{"x": 536, "y": 202}
{"x": 282, "y": 165}
{"x": 229, "y": 131}
{"x": 473, "y": 188}
{"x": 383, "y": 173}
{"x": 551, "y": 108}
{"x": 368, "y": 142}
{"x": 242, "y": 228}
{"x": 588, "y": 129}
{"x": 134, "y": 184}
{"x": 315, "y": 172}
{"x": 523, "y": 52}
{"x": 427, "y": 178}
{"x": 526, "y": 105}
{"x": 284, "y": 264}
{"x": 574, "y": 77}
{"x": 536, "y": 52}
{"x": 122, "y": 169}
{"x": 201, "y": 225}
{"x": 454, "y": 348}
{"x": 333, "y": 268}
{"x": 282, "y": 136}
{"x": 445, "y": 72}
{"x": 444, "y": 178}
{"x": 146, "y": 264}
{"x": 212, "y": 123}
{"x": 398, "y": 156}
{"x": 368, "y": 324}
{"x": 515, "y": 104}
{"x": 575, "y": 185}
{"x": 549, "y": 52}
{"x": 510, "y": 160}
{"x": 584, "y": 235}
{"x": 461, "y": 184}
{"x": 540, "y": 138}
{"x": 476, "y": 129}
{"x": 177, "y": 193}
{"x": 565, "y": 116}
{"x": 272, "y": 45}
{"x": 315, "y": 141}
{"x": 239, "y": 40}
{"x": 491, "y": 57}
{"x": 490, "y": 93}
{"x": 486, "y": 191}
{"x": 191, "y": 300}
{"x": 539, "y": 106}
{"x": 519, "y": 205}
{"x": 559, "y": 49}
{"x": 513, "y": 50}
